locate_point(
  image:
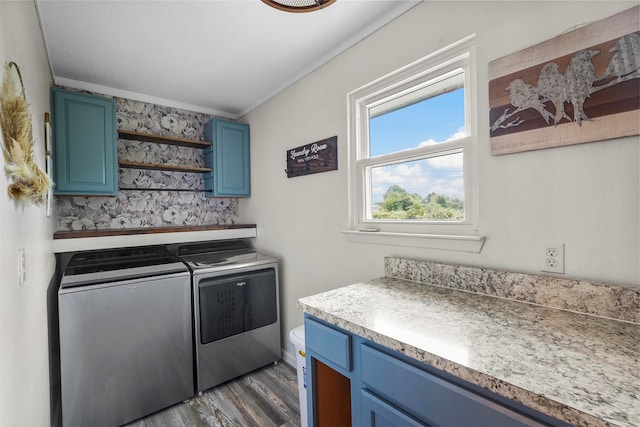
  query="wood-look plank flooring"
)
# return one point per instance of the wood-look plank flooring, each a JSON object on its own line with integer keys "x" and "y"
{"x": 267, "y": 397}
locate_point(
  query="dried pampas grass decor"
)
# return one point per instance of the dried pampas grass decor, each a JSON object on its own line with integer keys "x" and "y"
{"x": 29, "y": 182}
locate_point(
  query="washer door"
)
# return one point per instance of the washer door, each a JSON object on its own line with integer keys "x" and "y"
{"x": 233, "y": 304}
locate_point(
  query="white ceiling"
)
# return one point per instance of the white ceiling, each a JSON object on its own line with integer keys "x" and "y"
{"x": 223, "y": 57}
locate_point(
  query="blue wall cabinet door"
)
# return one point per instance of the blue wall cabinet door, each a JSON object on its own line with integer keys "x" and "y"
{"x": 229, "y": 158}
{"x": 84, "y": 144}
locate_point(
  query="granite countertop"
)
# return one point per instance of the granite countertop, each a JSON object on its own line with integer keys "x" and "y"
{"x": 579, "y": 368}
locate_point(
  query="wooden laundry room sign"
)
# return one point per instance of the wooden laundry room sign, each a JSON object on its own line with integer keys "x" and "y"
{"x": 320, "y": 156}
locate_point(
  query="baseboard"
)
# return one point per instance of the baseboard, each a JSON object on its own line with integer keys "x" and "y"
{"x": 289, "y": 357}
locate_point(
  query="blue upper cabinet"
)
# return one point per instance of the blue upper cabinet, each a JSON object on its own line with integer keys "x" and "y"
{"x": 229, "y": 158}
{"x": 85, "y": 144}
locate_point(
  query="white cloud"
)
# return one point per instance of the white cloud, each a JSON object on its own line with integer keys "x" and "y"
{"x": 440, "y": 174}
{"x": 460, "y": 133}
{"x": 397, "y": 174}
{"x": 451, "y": 161}
{"x": 428, "y": 142}
{"x": 454, "y": 188}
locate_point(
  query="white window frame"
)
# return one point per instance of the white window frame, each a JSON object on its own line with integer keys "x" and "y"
{"x": 422, "y": 75}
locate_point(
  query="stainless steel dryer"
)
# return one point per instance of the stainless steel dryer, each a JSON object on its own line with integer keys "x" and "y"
{"x": 236, "y": 309}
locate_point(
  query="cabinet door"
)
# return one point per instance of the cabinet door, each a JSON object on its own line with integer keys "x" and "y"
{"x": 376, "y": 413}
{"x": 330, "y": 367}
{"x": 85, "y": 144}
{"x": 229, "y": 157}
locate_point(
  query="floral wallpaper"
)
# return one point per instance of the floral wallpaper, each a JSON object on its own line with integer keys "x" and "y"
{"x": 137, "y": 207}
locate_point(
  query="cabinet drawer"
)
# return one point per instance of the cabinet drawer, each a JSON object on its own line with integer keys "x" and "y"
{"x": 333, "y": 345}
{"x": 377, "y": 413}
{"x": 430, "y": 398}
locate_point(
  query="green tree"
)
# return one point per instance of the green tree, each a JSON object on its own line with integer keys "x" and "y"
{"x": 397, "y": 203}
{"x": 396, "y": 198}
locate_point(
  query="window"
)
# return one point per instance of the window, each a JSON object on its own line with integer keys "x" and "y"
{"x": 412, "y": 144}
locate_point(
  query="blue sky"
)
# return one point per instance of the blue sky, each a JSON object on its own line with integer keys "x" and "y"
{"x": 435, "y": 120}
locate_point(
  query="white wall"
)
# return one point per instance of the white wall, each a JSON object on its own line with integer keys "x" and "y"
{"x": 586, "y": 195}
{"x": 591, "y": 191}
{"x": 24, "y": 360}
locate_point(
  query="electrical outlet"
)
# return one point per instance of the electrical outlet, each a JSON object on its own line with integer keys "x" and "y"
{"x": 22, "y": 267}
{"x": 552, "y": 257}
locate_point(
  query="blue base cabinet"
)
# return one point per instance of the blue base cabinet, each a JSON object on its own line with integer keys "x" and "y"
{"x": 85, "y": 156}
{"x": 229, "y": 158}
{"x": 388, "y": 389}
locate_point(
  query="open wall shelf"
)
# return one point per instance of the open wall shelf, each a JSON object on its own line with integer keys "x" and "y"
{"x": 158, "y": 139}
{"x": 192, "y": 190}
{"x": 165, "y": 167}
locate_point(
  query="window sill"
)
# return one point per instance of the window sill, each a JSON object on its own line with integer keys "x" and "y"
{"x": 461, "y": 243}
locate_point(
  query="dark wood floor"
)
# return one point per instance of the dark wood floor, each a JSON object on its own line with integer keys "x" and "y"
{"x": 267, "y": 397}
